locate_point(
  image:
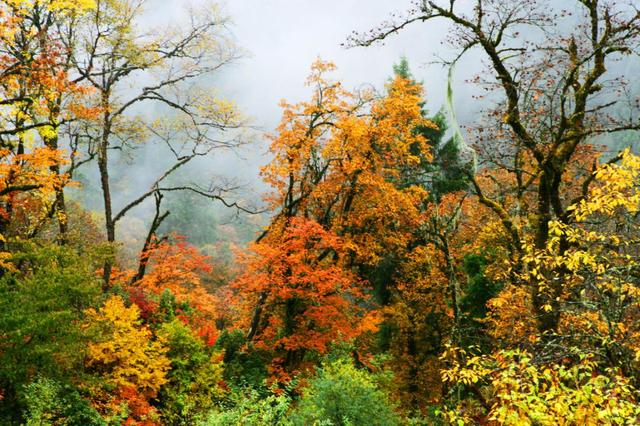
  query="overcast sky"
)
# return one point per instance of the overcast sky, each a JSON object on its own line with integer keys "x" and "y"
{"x": 282, "y": 38}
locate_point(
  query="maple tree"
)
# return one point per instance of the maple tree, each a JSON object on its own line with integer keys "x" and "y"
{"x": 178, "y": 268}
{"x": 338, "y": 160}
{"x": 350, "y": 163}
{"x": 27, "y": 184}
{"x": 311, "y": 300}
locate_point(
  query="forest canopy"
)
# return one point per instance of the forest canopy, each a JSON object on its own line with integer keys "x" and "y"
{"x": 402, "y": 267}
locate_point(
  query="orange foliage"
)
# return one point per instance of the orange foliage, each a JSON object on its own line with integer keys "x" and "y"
{"x": 420, "y": 315}
{"x": 141, "y": 412}
{"x": 342, "y": 200}
{"x": 36, "y": 80}
{"x": 27, "y": 187}
{"x": 38, "y": 97}
{"x": 511, "y": 310}
{"x": 177, "y": 267}
{"x": 339, "y": 159}
{"x": 311, "y": 300}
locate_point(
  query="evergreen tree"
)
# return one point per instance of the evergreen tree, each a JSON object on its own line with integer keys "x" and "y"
{"x": 446, "y": 172}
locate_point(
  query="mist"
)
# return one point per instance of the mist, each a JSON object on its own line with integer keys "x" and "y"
{"x": 277, "y": 42}
{"x": 440, "y": 227}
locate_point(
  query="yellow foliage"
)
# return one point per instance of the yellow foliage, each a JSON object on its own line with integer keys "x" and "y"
{"x": 126, "y": 351}
{"x": 520, "y": 392}
{"x": 341, "y": 155}
{"x": 54, "y": 5}
{"x": 617, "y": 189}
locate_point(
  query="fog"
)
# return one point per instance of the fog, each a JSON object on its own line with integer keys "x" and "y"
{"x": 283, "y": 37}
{"x": 279, "y": 40}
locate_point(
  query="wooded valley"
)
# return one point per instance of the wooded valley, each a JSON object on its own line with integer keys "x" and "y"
{"x": 402, "y": 267}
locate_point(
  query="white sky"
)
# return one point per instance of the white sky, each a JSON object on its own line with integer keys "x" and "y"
{"x": 282, "y": 38}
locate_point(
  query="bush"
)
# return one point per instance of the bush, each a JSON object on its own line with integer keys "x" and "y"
{"x": 244, "y": 366}
{"x": 48, "y": 402}
{"x": 194, "y": 379}
{"x": 252, "y": 408}
{"x": 341, "y": 394}
{"x": 42, "y": 305}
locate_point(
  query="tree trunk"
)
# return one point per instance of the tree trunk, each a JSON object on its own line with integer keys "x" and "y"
{"x": 103, "y": 166}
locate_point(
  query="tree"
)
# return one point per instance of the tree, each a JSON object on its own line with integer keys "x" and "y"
{"x": 126, "y": 359}
{"x": 334, "y": 160}
{"x": 39, "y": 97}
{"x": 444, "y": 170}
{"x": 421, "y": 286}
{"x": 27, "y": 186}
{"x": 311, "y": 301}
{"x": 340, "y": 394}
{"x": 554, "y": 100}
{"x": 249, "y": 406}
{"x": 195, "y": 380}
{"x": 599, "y": 298}
{"x": 338, "y": 160}
{"x": 175, "y": 269}
{"x": 523, "y": 393}
{"x": 49, "y": 402}
{"x": 114, "y": 51}
{"x": 43, "y": 298}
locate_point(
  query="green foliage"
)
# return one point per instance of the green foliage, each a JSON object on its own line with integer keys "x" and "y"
{"x": 341, "y": 394}
{"x": 241, "y": 367}
{"x": 194, "y": 379}
{"x": 40, "y": 312}
{"x": 480, "y": 289}
{"x": 402, "y": 69}
{"x": 48, "y": 402}
{"x": 381, "y": 277}
{"x": 446, "y": 171}
{"x": 451, "y": 174}
{"x": 252, "y": 408}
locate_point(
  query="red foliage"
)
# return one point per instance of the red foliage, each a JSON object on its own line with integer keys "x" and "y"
{"x": 148, "y": 306}
{"x": 178, "y": 267}
{"x": 141, "y": 413}
{"x": 311, "y": 299}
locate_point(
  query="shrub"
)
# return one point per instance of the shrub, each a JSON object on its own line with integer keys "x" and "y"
{"x": 50, "y": 402}
{"x": 341, "y": 394}
{"x": 252, "y": 408}
{"x": 195, "y": 378}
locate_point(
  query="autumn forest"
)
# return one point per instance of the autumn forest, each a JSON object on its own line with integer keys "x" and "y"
{"x": 402, "y": 261}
